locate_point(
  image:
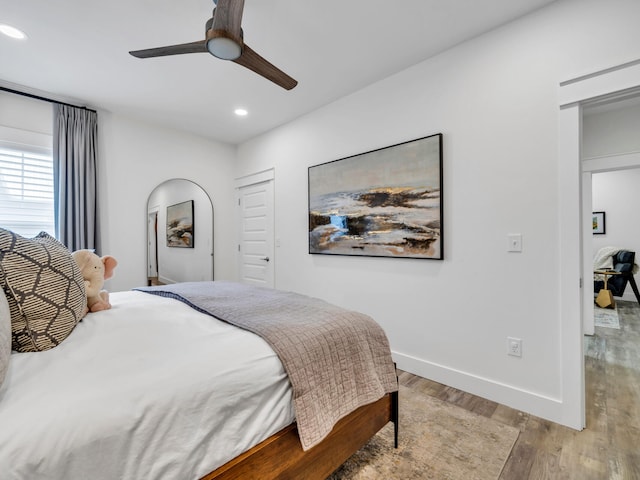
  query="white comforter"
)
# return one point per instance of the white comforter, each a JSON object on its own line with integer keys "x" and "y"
{"x": 150, "y": 389}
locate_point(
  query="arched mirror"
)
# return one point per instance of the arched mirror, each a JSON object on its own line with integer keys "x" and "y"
{"x": 179, "y": 233}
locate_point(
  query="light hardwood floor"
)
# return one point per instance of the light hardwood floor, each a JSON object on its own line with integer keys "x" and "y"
{"x": 609, "y": 447}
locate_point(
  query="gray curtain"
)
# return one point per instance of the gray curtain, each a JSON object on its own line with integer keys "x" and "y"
{"x": 75, "y": 165}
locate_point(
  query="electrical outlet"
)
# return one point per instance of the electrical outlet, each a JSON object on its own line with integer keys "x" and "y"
{"x": 514, "y": 346}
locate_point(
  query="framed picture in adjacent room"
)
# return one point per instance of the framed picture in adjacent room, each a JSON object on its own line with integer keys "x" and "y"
{"x": 382, "y": 203}
{"x": 180, "y": 225}
{"x": 599, "y": 223}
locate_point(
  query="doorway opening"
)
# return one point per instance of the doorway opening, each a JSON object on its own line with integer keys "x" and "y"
{"x": 575, "y": 225}
{"x": 610, "y": 158}
{"x": 610, "y": 175}
{"x": 152, "y": 248}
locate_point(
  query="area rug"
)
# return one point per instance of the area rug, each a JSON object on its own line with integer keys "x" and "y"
{"x": 437, "y": 441}
{"x": 606, "y": 317}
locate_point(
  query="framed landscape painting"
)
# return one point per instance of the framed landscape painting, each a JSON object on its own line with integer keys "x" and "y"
{"x": 180, "y": 225}
{"x": 383, "y": 203}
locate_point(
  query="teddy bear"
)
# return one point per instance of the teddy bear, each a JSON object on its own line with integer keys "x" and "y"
{"x": 95, "y": 270}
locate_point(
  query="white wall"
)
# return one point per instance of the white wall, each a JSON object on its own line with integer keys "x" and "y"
{"x": 136, "y": 157}
{"x": 24, "y": 113}
{"x": 495, "y": 101}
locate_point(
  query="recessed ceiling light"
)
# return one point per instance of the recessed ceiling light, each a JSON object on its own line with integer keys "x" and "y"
{"x": 241, "y": 112}
{"x": 12, "y": 32}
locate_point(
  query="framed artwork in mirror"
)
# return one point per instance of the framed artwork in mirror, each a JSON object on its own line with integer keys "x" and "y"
{"x": 180, "y": 225}
{"x": 599, "y": 223}
{"x": 382, "y": 203}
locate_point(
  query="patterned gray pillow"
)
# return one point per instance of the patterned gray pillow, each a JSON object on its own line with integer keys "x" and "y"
{"x": 44, "y": 288}
{"x": 5, "y": 336}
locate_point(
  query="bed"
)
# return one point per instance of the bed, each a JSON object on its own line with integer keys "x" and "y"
{"x": 157, "y": 388}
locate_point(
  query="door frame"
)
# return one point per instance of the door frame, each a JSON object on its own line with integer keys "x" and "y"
{"x": 574, "y": 223}
{"x": 246, "y": 181}
{"x": 152, "y": 243}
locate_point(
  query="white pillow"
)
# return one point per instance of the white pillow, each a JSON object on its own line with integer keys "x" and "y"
{"x": 5, "y": 335}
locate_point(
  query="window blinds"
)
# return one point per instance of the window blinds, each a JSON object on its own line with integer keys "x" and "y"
{"x": 26, "y": 191}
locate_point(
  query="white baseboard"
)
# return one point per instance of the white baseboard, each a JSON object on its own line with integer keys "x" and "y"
{"x": 530, "y": 402}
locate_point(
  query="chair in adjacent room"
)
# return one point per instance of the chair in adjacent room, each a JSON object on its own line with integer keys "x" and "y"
{"x": 623, "y": 263}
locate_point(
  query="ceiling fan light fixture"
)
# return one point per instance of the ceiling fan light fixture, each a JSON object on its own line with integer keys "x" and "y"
{"x": 224, "y": 48}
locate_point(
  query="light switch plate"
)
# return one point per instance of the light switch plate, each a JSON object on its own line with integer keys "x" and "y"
{"x": 514, "y": 242}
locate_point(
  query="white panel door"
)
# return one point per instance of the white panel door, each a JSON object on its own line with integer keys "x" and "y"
{"x": 255, "y": 249}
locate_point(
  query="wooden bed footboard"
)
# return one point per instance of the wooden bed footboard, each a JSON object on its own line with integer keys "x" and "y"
{"x": 281, "y": 456}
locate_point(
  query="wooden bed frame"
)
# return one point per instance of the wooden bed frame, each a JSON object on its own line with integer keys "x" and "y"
{"x": 281, "y": 456}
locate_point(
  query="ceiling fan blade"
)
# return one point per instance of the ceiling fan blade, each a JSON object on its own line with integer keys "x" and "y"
{"x": 224, "y": 40}
{"x": 228, "y": 17}
{"x": 193, "y": 47}
{"x": 254, "y": 62}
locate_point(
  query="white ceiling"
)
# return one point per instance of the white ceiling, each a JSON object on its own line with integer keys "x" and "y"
{"x": 78, "y": 50}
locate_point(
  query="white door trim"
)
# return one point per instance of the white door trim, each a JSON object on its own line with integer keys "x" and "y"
{"x": 610, "y": 163}
{"x": 254, "y": 178}
{"x": 605, "y": 84}
{"x": 614, "y": 81}
{"x": 572, "y": 367}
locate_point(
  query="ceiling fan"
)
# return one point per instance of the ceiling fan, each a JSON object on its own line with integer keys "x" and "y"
{"x": 224, "y": 40}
